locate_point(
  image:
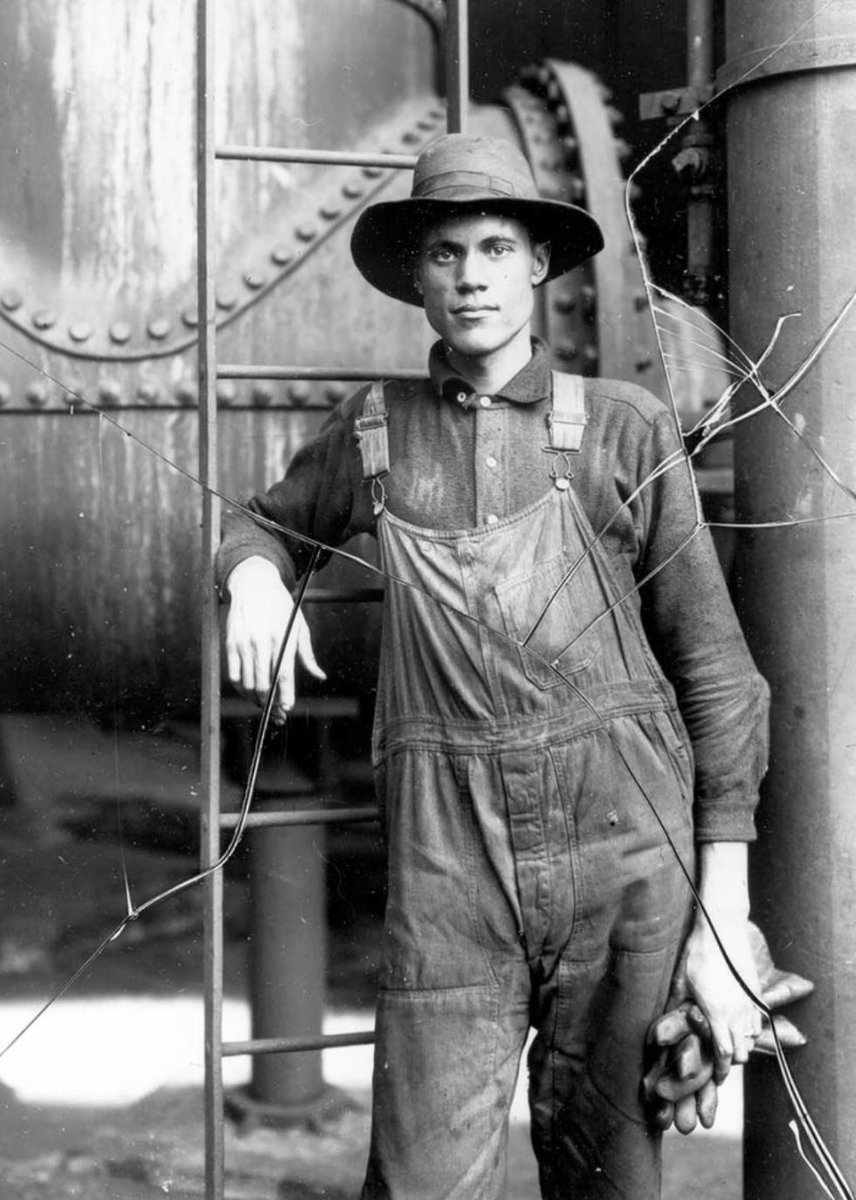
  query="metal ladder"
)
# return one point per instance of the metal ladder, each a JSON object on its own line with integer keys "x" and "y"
{"x": 213, "y": 822}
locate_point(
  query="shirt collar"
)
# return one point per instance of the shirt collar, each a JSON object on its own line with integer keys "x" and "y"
{"x": 532, "y": 382}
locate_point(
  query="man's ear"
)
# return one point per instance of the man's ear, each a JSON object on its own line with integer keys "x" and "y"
{"x": 417, "y": 282}
{"x": 540, "y": 262}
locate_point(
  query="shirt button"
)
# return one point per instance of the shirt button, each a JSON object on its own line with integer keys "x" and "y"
{"x": 492, "y": 518}
{"x": 485, "y": 401}
{"x": 491, "y": 461}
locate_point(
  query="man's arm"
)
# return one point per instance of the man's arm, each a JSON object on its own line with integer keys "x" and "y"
{"x": 321, "y": 497}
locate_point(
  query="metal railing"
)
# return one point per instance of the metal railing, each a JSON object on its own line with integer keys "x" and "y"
{"x": 213, "y": 821}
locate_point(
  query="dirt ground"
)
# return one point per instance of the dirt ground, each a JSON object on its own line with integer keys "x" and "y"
{"x": 102, "y": 1099}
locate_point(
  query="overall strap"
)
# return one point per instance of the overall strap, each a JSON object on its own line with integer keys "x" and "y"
{"x": 371, "y": 433}
{"x": 567, "y": 420}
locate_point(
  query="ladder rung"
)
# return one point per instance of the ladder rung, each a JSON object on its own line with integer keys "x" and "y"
{"x": 342, "y": 595}
{"x": 294, "y": 1045}
{"x": 306, "y": 816}
{"x": 330, "y": 158}
{"x": 355, "y": 374}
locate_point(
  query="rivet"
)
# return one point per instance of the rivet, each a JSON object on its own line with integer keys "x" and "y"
{"x": 158, "y": 328}
{"x": 227, "y": 391}
{"x": 576, "y": 189}
{"x": 622, "y": 149}
{"x": 190, "y": 316}
{"x": 353, "y": 190}
{"x": 373, "y": 172}
{"x": 670, "y": 102}
{"x": 43, "y": 319}
{"x": 590, "y": 355}
{"x": 643, "y": 358}
{"x": 262, "y": 393}
{"x": 410, "y": 138}
{"x": 185, "y": 392}
{"x": 426, "y": 124}
{"x": 306, "y": 232}
{"x": 565, "y": 303}
{"x": 539, "y": 137}
{"x": 605, "y": 92}
{"x": 335, "y": 392}
{"x": 255, "y": 279}
{"x": 11, "y": 299}
{"x": 614, "y": 115}
{"x": 436, "y": 113}
{"x": 634, "y": 191}
{"x": 640, "y": 301}
{"x": 79, "y": 332}
{"x": 299, "y": 392}
{"x": 148, "y": 393}
{"x": 5, "y": 393}
{"x": 544, "y": 75}
{"x": 548, "y": 164}
{"x": 566, "y": 350}
{"x": 109, "y": 392}
{"x": 554, "y": 92}
{"x": 281, "y": 255}
{"x": 589, "y": 299}
{"x": 529, "y": 72}
{"x": 225, "y": 298}
{"x": 330, "y": 211}
{"x": 120, "y": 332}
{"x": 571, "y": 145}
{"x": 37, "y": 394}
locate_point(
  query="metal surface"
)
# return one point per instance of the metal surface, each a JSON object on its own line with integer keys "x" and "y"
{"x": 311, "y": 816}
{"x": 695, "y": 161}
{"x": 792, "y": 238}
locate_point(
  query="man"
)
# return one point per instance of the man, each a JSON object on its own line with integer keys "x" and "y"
{"x": 534, "y": 770}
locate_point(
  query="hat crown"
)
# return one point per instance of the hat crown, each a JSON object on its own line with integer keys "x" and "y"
{"x": 458, "y": 166}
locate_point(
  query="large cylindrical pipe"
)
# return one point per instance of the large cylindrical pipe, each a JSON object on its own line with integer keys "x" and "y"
{"x": 287, "y": 964}
{"x": 792, "y": 245}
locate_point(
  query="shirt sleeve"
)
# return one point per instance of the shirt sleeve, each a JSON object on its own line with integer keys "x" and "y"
{"x": 321, "y": 499}
{"x": 697, "y": 639}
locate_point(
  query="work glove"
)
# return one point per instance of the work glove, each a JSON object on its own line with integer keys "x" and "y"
{"x": 679, "y": 1086}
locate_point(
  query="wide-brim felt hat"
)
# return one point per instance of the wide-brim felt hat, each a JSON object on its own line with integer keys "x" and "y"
{"x": 459, "y": 173}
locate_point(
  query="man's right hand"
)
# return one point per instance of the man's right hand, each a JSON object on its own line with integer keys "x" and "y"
{"x": 259, "y": 610}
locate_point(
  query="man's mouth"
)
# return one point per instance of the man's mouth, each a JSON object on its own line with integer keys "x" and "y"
{"x": 474, "y": 310}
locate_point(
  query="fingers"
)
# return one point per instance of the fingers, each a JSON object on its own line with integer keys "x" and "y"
{"x": 706, "y": 1104}
{"x": 305, "y": 652}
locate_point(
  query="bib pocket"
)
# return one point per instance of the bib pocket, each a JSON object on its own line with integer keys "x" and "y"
{"x": 559, "y": 639}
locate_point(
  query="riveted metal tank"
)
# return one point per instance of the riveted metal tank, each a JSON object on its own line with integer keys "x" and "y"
{"x": 100, "y": 575}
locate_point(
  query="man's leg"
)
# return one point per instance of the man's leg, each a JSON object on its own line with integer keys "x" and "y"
{"x": 453, "y": 1006}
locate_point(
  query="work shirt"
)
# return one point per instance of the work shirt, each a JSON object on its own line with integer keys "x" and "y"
{"x": 462, "y": 460}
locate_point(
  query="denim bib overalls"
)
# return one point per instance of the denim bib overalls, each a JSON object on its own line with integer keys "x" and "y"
{"x": 521, "y": 722}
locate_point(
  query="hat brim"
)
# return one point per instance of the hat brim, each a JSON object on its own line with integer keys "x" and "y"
{"x": 384, "y": 239}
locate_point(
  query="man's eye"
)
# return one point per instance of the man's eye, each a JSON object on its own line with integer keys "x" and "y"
{"x": 441, "y": 255}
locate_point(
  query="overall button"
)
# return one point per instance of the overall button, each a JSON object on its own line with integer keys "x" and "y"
{"x": 492, "y": 518}
{"x": 491, "y": 461}
{"x": 485, "y": 401}
{"x": 461, "y": 397}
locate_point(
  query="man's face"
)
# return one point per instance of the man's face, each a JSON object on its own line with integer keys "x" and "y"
{"x": 476, "y": 274}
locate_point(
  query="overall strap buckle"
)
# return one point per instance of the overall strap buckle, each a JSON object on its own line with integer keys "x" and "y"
{"x": 567, "y": 420}
{"x": 371, "y": 434}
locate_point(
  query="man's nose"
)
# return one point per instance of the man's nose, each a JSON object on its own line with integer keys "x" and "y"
{"x": 470, "y": 276}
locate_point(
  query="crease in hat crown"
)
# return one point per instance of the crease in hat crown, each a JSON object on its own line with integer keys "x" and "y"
{"x": 453, "y": 173}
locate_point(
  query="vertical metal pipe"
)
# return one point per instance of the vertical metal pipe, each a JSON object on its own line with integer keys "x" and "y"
{"x": 697, "y": 145}
{"x": 457, "y": 66}
{"x": 210, "y": 704}
{"x": 792, "y": 244}
{"x": 287, "y": 962}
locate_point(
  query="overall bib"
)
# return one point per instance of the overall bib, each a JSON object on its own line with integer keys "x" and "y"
{"x": 520, "y": 725}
